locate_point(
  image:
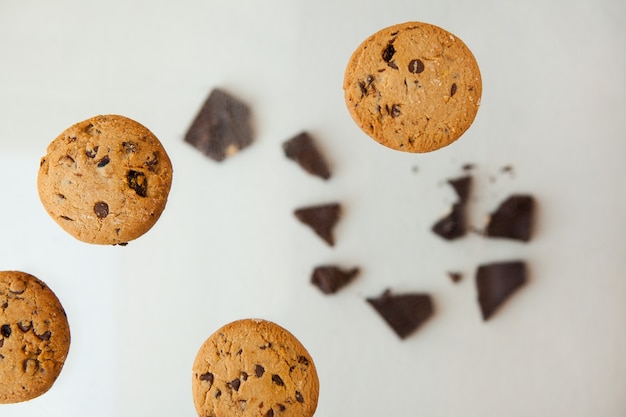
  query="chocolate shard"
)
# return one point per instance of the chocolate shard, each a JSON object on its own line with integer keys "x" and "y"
{"x": 455, "y": 276}
{"x": 330, "y": 279}
{"x": 496, "y": 282}
{"x": 452, "y": 226}
{"x": 302, "y": 149}
{"x": 513, "y": 219}
{"x": 462, "y": 187}
{"x": 221, "y": 127}
{"x": 404, "y": 313}
{"x": 322, "y": 219}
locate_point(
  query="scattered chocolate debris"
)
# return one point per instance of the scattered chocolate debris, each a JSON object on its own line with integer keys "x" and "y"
{"x": 452, "y": 226}
{"x": 302, "y": 149}
{"x": 322, "y": 219}
{"x": 455, "y": 276}
{"x": 513, "y": 219}
{"x": 276, "y": 379}
{"x": 453, "y": 89}
{"x": 103, "y": 162}
{"x": 259, "y": 370}
{"x": 496, "y": 282}
{"x": 222, "y": 126}
{"x": 404, "y": 313}
{"x": 462, "y": 187}
{"x": 330, "y": 279}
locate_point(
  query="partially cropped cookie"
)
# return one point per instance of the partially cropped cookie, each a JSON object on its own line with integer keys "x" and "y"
{"x": 105, "y": 180}
{"x": 413, "y": 87}
{"x": 34, "y": 337}
{"x": 254, "y": 368}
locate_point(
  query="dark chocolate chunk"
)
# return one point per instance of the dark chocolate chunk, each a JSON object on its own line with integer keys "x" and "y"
{"x": 91, "y": 153}
{"x": 5, "y": 330}
{"x": 388, "y": 53}
{"x": 404, "y": 313}
{"x": 452, "y": 226}
{"x": 208, "y": 376}
{"x": 138, "y": 182}
{"x": 513, "y": 219}
{"x": 302, "y": 149}
{"x": 45, "y": 335}
{"x": 303, "y": 360}
{"x": 416, "y": 66}
{"x": 130, "y": 147}
{"x": 462, "y": 187}
{"x": 259, "y": 370}
{"x": 455, "y": 276}
{"x": 101, "y": 209}
{"x": 453, "y": 89}
{"x": 330, "y": 279}
{"x": 299, "y": 397}
{"x": 103, "y": 162}
{"x": 25, "y": 326}
{"x": 221, "y": 127}
{"x": 322, "y": 219}
{"x": 234, "y": 384}
{"x": 395, "y": 110}
{"x": 496, "y": 282}
{"x": 276, "y": 379}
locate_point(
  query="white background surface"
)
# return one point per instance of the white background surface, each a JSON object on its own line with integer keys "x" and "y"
{"x": 228, "y": 247}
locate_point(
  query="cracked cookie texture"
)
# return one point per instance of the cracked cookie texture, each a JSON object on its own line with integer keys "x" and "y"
{"x": 254, "y": 368}
{"x": 105, "y": 180}
{"x": 413, "y": 87}
{"x": 34, "y": 337}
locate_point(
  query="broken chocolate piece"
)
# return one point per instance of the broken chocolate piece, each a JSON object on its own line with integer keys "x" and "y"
{"x": 404, "y": 313}
{"x": 302, "y": 149}
{"x": 321, "y": 219}
{"x": 330, "y": 279}
{"x": 138, "y": 182}
{"x": 461, "y": 187}
{"x": 496, "y": 282}
{"x": 455, "y": 276}
{"x": 513, "y": 219}
{"x": 222, "y": 126}
{"x": 5, "y": 330}
{"x": 452, "y": 226}
{"x": 101, "y": 209}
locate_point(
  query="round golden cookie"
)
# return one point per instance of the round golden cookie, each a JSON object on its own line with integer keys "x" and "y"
{"x": 105, "y": 180}
{"x": 254, "y": 368}
{"x": 413, "y": 87}
{"x": 34, "y": 337}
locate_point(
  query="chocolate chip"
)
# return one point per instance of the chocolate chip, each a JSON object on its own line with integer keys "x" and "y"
{"x": 276, "y": 379}
{"x": 31, "y": 364}
{"x": 244, "y": 376}
{"x": 453, "y": 89}
{"x": 322, "y": 219}
{"x": 130, "y": 147}
{"x": 303, "y": 150}
{"x": 101, "y": 209}
{"x": 303, "y": 360}
{"x": 5, "y": 330}
{"x": 208, "y": 376}
{"x": 281, "y": 407}
{"x": 151, "y": 164}
{"x": 259, "y": 371}
{"x": 404, "y": 313}
{"x": 218, "y": 393}
{"x": 45, "y": 336}
{"x": 103, "y": 162}
{"x": 393, "y": 65}
{"x": 138, "y": 182}
{"x": 25, "y": 327}
{"x": 388, "y": 52}
{"x": 395, "y": 110}
{"x": 416, "y": 66}
{"x": 496, "y": 282}
{"x": 330, "y": 279}
{"x": 270, "y": 413}
{"x": 299, "y": 397}
{"x": 513, "y": 219}
{"x": 91, "y": 153}
{"x": 234, "y": 384}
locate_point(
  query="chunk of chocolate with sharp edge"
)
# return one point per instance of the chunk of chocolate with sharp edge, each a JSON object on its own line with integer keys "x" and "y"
{"x": 496, "y": 282}
{"x": 330, "y": 279}
{"x": 513, "y": 219}
{"x": 404, "y": 313}
{"x": 322, "y": 219}
{"x": 222, "y": 126}
{"x": 462, "y": 187}
{"x": 302, "y": 149}
{"x": 452, "y": 226}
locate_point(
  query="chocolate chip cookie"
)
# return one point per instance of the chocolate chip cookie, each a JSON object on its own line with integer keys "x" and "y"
{"x": 34, "y": 337}
{"x": 413, "y": 87}
{"x": 105, "y": 180}
{"x": 254, "y": 368}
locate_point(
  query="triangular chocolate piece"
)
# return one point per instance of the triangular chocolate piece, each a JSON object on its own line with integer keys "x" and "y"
{"x": 303, "y": 150}
{"x": 321, "y": 219}
{"x": 222, "y": 126}
{"x": 452, "y": 226}
{"x": 513, "y": 219}
{"x": 455, "y": 276}
{"x": 462, "y": 187}
{"x": 404, "y": 313}
{"x": 330, "y": 279}
{"x": 496, "y": 282}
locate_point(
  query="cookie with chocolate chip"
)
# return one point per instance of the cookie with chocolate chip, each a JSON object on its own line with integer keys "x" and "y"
{"x": 413, "y": 87}
{"x": 34, "y": 337}
{"x": 105, "y": 180}
{"x": 254, "y": 368}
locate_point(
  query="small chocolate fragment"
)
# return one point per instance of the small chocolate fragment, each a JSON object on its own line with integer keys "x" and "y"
{"x": 404, "y": 313}
{"x": 452, "y": 226}
{"x": 388, "y": 52}
{"x": 101, "y": 209}
{"x": 138, "y": 182}
{"x": 453, "y": 89}
{"x": 496, "y": 282}
{"x": 462, "y": 187}
{"x": 5, "y": 330}
{"x": 302, "y": 149}
{"x": 103, "y": 162}
{"x": 330, "y": 279}
{"x": 322, "y": 219}
{"x": 221, "y": 127}
{"x": 455, "y": 276}
{"x": 513, "y": 219}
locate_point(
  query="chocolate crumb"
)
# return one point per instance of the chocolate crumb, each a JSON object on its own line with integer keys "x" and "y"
{"x": 404, "y": 313}
{"x": 496, "y": 282}
{"x": 101, "y": 209}
{"x": 276, "y": 379}
{"x": 452, "y": 226}
{"x": 416, "y": 66}
{"x": 455, "y": 276}
{"x": 5, "y": 330}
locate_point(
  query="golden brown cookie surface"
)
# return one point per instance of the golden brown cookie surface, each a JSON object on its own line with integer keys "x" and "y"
{"x": 254, "y": 368}
{"x": 34, "y": 337}
{"x": 105, "y": 180}
{"x": 413, "y": 87}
